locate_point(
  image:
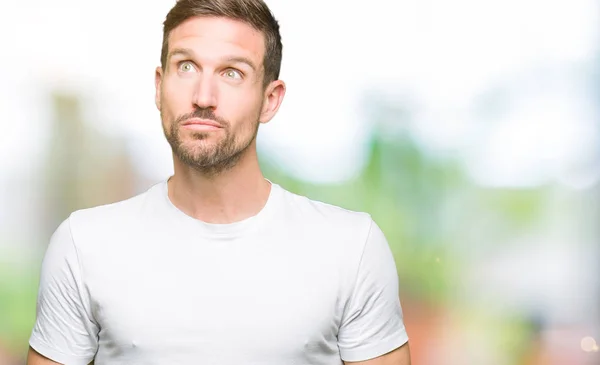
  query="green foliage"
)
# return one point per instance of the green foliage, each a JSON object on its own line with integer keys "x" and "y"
{"x": 521, "y": 208}
{"x": 18, "y": 291}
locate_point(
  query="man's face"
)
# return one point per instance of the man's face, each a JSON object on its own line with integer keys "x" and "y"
{"x": 210, "y": 94}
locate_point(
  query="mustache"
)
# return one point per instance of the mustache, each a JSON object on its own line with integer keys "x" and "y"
{"x": 202, "y": 113}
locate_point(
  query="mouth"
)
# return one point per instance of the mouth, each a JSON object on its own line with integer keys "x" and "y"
{"x": 201, "y": 124}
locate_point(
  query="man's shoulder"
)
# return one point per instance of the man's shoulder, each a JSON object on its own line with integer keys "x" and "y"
{"x": 338, "y": 234}
{"x": 334, "y": 216}
{"x": 122, "y": 211}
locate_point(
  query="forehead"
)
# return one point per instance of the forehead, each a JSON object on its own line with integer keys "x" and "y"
{"x": 217, "y": 36}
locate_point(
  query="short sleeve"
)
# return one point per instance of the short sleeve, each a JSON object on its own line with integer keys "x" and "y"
{"x": 64, "y": 330}
{"x": 372, "y": 323}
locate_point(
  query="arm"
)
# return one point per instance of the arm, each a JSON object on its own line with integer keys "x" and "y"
{"x": 65, "y": 331}
{"x": 34, "y": 358}
{"x": 372, "y": 331}
{"x": 400, "y": 356}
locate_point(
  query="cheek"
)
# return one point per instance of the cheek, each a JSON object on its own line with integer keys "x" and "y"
{"x": 175, "y": 98}
{"x": 241, "y": 106}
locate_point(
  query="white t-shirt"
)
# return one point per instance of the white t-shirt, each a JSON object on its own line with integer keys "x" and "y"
{"x": 140, "y": 282}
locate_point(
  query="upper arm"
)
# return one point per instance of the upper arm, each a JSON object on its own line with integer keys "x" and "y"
{"x": 35, "y": 358}
{"x": 372, "y": 323}
{"x": 400, "y": 356}
{"x": 65, "y": 330}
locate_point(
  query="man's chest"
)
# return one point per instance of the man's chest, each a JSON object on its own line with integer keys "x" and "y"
{"x": 228, "y": 301}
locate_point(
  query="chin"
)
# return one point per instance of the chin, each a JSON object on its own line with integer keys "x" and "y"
{"x": 196, "y": 147}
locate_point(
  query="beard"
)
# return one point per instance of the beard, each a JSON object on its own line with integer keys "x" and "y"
{"x": 209, "y": 158}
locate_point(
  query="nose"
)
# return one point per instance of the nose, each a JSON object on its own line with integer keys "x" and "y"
{"x": 205, "y": 92}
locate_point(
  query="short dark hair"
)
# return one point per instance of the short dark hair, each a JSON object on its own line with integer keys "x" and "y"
{"x": 252, "y": 12}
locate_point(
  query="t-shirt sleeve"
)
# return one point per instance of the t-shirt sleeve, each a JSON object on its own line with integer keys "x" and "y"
{"x": 372, "y": 323}
{"x": 65, "y": 330}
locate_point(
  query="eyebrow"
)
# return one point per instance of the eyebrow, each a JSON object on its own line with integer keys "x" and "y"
{"x": 186, "y": 52}
{"x": 244, "y": 60}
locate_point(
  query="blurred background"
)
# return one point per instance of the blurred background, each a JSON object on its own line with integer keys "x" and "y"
{"x": 469, "y": 129}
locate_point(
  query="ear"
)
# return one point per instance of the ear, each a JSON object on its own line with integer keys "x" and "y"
{"x": 157, "y": 83}
{"x": 274, "y": 94}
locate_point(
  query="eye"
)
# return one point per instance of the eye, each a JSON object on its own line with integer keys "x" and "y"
{"x": 233, "y": 74}
{"x": 186, "y": 66}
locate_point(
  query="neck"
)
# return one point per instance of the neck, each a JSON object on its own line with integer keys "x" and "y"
{"x": 230, "y": 196}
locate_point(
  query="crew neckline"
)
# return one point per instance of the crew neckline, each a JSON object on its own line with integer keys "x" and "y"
{"x": 222, "y": 230}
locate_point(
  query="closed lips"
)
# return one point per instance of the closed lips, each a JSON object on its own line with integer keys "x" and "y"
{"x": 202, "y": 122}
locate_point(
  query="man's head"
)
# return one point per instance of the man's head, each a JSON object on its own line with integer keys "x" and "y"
{"x": 220, "y": 65}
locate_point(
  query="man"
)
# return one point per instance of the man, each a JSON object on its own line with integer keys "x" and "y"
{"x": 217, "y": 265}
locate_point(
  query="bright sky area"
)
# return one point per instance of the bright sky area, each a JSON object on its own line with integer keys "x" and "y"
{"x": 441, "y": 56}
